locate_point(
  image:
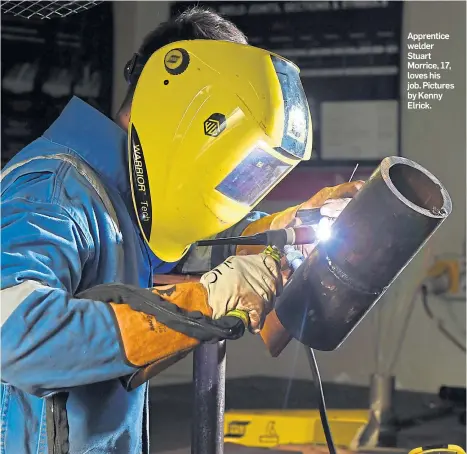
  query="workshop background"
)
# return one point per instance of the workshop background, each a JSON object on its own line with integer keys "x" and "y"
{"x": 435, "y": 140}
{"x": 45, "y": 62}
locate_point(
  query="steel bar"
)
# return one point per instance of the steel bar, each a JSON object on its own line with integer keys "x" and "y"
{"x": 207, "y": 435}
{"x": 381, "y": 430}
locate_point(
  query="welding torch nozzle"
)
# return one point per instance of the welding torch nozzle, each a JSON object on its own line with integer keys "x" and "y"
{"x": 303, "y": 234}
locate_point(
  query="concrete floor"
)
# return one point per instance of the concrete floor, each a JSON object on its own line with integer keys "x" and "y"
{"x": 170, "y": 417}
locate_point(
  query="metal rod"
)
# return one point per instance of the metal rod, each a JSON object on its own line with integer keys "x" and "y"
{"x": 207, "y": 435}
{"x": 353, "y": 173}
{"x": 381, "y": 429}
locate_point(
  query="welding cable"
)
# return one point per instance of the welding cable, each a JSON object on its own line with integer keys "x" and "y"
{"x": 423, "y": 291}
{"x": 439, "y": 323}
{"x": 322, "y": 403}
{"x": 404, "y": 331}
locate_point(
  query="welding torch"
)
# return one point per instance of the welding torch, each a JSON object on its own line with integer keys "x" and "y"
{"x": 281, "y": 240}
{"x": 280, "y": 243}
{"x": 291, "y": 236}
{"x": 276, "y": 238}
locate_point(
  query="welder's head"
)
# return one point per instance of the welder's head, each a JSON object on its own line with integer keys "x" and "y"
{"x": 193, "y": 23}
{"x": 214, "y": 125}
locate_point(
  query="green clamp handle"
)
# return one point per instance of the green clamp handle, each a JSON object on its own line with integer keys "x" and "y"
{"x": 242, "y": 315}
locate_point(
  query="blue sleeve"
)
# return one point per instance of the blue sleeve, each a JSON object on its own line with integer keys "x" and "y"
{"x": 50, "y": 340}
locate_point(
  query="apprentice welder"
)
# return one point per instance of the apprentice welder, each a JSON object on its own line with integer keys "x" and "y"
{"x": 74, "y": 217}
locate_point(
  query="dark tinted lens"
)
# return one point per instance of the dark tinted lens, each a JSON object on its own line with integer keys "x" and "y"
{"x": 253, "y": 177}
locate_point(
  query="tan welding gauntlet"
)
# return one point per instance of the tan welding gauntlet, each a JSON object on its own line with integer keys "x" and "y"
{"x": 160, "y": 326}
{"x": 248, "y": 283}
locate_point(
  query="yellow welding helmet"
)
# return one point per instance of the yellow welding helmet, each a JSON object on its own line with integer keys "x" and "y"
{"x": 214, "y": 127}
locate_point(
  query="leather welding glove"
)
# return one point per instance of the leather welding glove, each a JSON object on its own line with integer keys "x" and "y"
{"x": 248, "y": 283}
{"x": 331, "y": 200}
{"x": 160, "y": 326}
{"x": 159, "y": 323}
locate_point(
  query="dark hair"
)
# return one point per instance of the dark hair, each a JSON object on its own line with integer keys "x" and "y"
{"x": 193, "y": 23}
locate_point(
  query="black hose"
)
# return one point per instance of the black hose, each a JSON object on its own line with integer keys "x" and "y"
{"x": 322, "y": 403}
{"x": 439, "y": 323}
{"x": 257, "y": 239}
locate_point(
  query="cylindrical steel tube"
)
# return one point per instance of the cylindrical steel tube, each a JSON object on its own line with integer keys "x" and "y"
{"x": 381, "y": 429}
{"x": 207, "y": 436}
{"x": 374, "y": 238}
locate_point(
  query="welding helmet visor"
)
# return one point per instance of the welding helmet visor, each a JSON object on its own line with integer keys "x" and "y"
{"x": 214, "y": 127}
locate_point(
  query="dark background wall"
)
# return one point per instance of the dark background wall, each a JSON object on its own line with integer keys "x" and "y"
{"x": 45, "y": 62}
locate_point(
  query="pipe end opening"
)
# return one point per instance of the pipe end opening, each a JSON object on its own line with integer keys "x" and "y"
{"x": 420, "y": 189}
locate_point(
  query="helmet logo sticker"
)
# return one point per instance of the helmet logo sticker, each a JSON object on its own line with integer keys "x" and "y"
{"x": 215, "y": 124}
{"x": 140, "y": 184}
{"x": 176, "y": 61}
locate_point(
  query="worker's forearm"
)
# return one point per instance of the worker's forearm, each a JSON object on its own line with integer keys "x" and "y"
{"x": 53, "y": 341}
{"x": 159, "y": 326}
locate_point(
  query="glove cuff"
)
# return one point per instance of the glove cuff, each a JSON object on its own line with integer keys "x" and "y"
{"x": 190, "y": 296}
{"x": 144, "y": 339}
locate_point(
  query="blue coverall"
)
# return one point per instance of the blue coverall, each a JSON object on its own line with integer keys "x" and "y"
{"x": 67, "y": 225}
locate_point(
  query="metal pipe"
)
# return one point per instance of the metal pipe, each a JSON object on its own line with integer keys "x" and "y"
{"x": 373, "y": 240}
{"x": 381, "y": 430}
{"x": 207, "y": 436}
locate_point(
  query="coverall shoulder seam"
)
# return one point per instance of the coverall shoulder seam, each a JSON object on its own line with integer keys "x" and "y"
{"x": 70, "y": 216}
{"x": 56, "y": 183}
{"x": 85, "y": 176}
{"x": 57, "y": 199}
{"x": 30, "y": 172}
{"x": 62, "y": 170}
